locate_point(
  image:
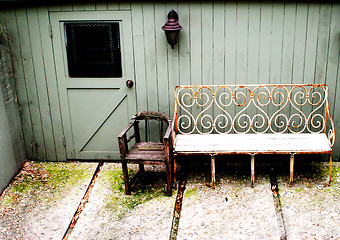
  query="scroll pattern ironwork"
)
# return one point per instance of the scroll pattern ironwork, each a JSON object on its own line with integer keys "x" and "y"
{"x": 224, "y": 109}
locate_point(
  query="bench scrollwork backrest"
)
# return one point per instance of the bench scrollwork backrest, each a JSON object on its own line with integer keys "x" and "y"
{"x": 225, "y": 109}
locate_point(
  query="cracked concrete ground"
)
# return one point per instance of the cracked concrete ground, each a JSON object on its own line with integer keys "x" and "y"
{"x": 232, "y": 210}
{"x": 311, "y": 209}
{"x": 42, "y": 204}
{"x": 37, "y": 207}
{"x": 109, "y": 214}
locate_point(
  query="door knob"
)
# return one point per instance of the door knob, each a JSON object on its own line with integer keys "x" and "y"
{"x": 129, "y": 83}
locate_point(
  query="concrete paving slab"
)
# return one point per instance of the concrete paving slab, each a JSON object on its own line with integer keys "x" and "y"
{"x": 311, "y": 209}
{"x": 110, "y": 214}
{"x": 41, "y": 201}
{"x": 233, "y": 210}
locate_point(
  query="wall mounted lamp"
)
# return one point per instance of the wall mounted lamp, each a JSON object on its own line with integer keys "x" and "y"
{"x": 172, "y": 28}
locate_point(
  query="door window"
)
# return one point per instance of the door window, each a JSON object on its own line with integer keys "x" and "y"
{"x": 93, "y": 49}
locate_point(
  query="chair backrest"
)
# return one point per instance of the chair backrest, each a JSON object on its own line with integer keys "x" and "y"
{"x": 152, "y": 115}
{"x": 151, "y": 129}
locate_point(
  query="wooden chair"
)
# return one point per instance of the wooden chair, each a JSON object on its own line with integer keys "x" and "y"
{"x": 147, "y": 152}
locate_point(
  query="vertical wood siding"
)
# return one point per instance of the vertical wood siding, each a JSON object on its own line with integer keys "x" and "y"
{"x": 220, "y": 43}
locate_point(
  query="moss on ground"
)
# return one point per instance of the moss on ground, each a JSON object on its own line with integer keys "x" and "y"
{"x": 147, "y": 190}
{"x": 190, "y": 192}
{"x": 314, "y": 176}
{"x": 43, "y": 180}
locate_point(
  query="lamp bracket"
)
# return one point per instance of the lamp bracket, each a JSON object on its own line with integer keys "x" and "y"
{"x": 173, "y": 15}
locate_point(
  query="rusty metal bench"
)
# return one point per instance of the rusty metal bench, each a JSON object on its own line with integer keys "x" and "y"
{"x": 143, "y": 151}
{"x": 253, "y": 119}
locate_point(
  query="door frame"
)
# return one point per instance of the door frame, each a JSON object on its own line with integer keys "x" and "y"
{"x": 127, "y": 60}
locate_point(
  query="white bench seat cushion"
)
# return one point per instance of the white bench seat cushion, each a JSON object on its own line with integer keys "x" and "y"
{"x": 251, "y": 143}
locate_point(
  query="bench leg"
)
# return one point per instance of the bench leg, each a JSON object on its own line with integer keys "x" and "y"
{"x": 291, "y": 179}
{"x": 252, "y": 166}
{"x": 172, "y": 165}
{"x": 213, "y": 170}
{"x": 330, "y": 169}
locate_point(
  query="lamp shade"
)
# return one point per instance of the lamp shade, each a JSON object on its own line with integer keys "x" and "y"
{"x": 172, "y": 28}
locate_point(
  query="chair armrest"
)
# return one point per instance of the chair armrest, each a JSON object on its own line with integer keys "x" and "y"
{"x": 124, "y": 132}
{"x": 168, "y": 143}
{"x": 123, "y": 142}
{"x": 167, "y": 135}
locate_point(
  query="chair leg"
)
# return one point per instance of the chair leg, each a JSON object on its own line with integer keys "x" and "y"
{"x": 168, "y": 178}
{"x": 252, "y": 170}
{"x": 141, "y": 168}
{"x": 174, "y": 171}
{"x": 213, "y": 170}
{"x": 330, "y": 169}
{"x": 291, "y": 179}
{"x": 126, "y": 177}
{"x": 172, "y": 165}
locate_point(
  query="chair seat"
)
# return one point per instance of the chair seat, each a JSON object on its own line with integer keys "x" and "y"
{"x": 147, "y": 151}
{"x": 252, "y": 143}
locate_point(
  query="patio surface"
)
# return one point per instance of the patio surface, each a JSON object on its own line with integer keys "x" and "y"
{"x": 44, "y": 202}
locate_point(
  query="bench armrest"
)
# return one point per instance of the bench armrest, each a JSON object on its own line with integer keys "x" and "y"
{"x": 331, "y": 131}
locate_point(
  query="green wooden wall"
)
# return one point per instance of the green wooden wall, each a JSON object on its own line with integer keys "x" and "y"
{"x": 220, "y": 43}
{"x": 12, "y": 153}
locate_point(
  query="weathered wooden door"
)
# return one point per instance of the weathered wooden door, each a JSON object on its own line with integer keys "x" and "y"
{"x": 95, "y": 105}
